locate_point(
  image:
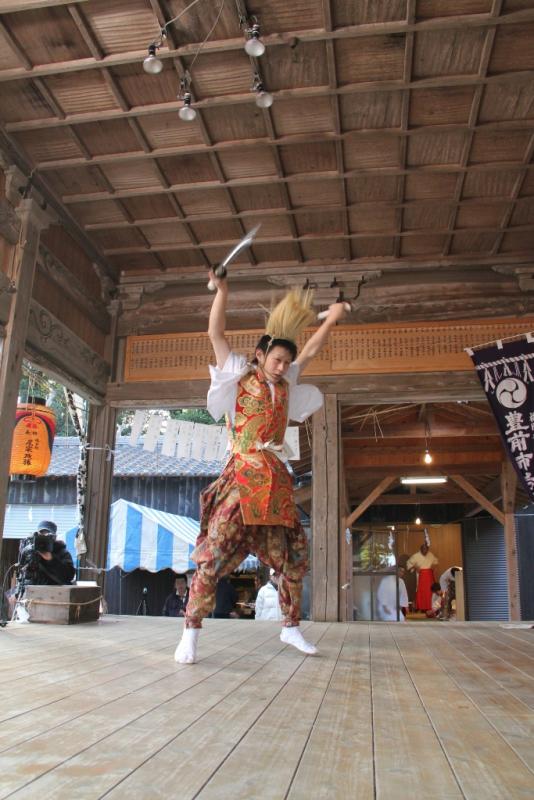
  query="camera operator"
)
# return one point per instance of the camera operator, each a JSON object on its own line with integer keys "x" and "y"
{"x": 44, "y": 559}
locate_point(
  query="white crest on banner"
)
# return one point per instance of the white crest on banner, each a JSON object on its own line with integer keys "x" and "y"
{"x": 152, "y": 432}
{"x": 168, "y": 447}
{"x": 137, "y": 426}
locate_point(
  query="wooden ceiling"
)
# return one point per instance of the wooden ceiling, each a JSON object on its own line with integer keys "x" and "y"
{"x": 399, "y": 145}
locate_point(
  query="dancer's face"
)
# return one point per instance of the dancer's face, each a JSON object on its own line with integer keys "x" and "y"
{"x": 275, "y": 364}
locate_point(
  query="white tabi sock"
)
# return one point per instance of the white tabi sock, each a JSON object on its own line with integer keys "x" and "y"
{"x": 186, "y": 652}
{"x": 294, "y": 637}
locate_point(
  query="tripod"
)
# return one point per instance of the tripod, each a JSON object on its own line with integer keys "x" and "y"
{"x": 142, "y": 608}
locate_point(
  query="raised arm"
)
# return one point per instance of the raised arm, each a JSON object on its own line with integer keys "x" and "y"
{"x": 217, "y": 321}
{"x": 336, "y": 312}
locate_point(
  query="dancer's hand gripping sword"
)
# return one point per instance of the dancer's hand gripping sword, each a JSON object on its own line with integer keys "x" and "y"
{"x": 340, "y": 299}
{"x": 246, "y": 241}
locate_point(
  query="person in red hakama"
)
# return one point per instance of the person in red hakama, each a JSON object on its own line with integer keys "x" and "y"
{"x": 423, "y": 562}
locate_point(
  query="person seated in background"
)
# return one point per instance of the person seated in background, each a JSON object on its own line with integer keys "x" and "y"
{"x": 437, "y": 602}
{"x": 267, "y": 602}
{"x": 176, "y": 602}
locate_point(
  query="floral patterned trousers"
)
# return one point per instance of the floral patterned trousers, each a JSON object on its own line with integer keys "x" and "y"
{"x": 224, "y": 541}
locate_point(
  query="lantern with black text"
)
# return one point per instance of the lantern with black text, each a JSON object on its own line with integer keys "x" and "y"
{"x": 33, "y": 437}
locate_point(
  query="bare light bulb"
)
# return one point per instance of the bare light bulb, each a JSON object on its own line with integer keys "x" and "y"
{"x": 428, "y": 457}
{"x": 264, "y": 99}
{"x": 187, "y": 113}
{"x": 418, "y": 520}
{"x": 254, "y": 47}
{"x": 152, "y": 64}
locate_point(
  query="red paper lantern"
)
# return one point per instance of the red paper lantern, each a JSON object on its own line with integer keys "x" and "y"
{"x": 33, "y": 437}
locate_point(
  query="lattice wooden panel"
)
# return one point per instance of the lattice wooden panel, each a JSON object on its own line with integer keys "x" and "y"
{"x": 367, "y": 349}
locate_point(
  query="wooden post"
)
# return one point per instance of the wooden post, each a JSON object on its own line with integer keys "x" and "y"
{"x": 325, "y": 512}
{"x": 32, "y": 221}
{"x": 345, "y": 547}
{"x": 509, "y": 483}
{"x": 101, "y": 436}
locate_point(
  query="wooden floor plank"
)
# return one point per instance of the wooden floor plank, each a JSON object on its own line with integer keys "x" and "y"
{"x": 509, "y": 676}
{"x": 338, "y": 758}
{"x": 511, "y": 718}
{"x": 408, "y": 755}
{"x": 194, "y": 756}
{"x": 276, "y": 741}
{"x": 121, "y": 736}
{"x": 483, "y": 762}
{"x": 435, "y": 709}
{"x": 138, "y": 676}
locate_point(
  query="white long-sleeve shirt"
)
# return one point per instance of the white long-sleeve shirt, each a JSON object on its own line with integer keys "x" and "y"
{"x": 304, "y": 399}
{"x": 419, "y": 561}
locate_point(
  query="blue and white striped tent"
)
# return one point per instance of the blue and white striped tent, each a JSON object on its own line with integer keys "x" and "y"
{"x": 144, "y": 538}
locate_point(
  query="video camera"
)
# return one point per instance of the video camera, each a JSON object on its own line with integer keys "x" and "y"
{"x": 29, "y": 560}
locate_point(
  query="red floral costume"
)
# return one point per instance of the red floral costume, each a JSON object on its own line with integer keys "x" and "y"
{"x": 250, "y": 508}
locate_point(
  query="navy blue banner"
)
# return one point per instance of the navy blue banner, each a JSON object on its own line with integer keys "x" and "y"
{"x": 506, "y": 371}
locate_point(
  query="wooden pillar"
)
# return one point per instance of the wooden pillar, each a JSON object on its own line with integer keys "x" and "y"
{"x": 345, "y": 547}
{"x": 508, "y": 484}
{"x": 101, "y": 436}
{"x": 21, "y": 274}
{"x": 325, "y": 512}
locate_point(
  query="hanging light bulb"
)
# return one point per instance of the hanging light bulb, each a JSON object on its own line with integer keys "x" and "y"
{"x": 428, "y": 457}
{"x": 263, "y": 99}
{"x": 254, "y": 47}
{"x": 187, "y": 113}
{"x": 152, "y": 64}
{"x": 418, "y": 520}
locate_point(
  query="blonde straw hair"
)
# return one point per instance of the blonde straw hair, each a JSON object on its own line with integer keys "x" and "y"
{"x": 292, "y": 314}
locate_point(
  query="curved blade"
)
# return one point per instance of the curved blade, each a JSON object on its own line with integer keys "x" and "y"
{"x": 245, "y": 242}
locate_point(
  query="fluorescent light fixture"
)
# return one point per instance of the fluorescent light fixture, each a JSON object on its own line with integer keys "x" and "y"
{"x": 411, "y": 481}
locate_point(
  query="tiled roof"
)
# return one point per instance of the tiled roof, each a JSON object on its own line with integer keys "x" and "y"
{"x": 129, "y": 461}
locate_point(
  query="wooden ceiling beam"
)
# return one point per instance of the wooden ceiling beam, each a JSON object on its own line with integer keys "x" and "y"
{"x": 336, "y": 116}
{"x": 86, "y": 32}
{"x": 478, "y": 497}
{"x": 405, "y": 122}
{"x": 304, "y": 93}
{"x": 462, "y": 21}
{"x": 414, "y": 430}
{"x": 485, "y": 56}
{"x": 419, "y": 499}
{"x": 369, "y": 500}
{"x": 446, "y": 463}
{"x": 253, "y": 214}
{"x": 310, "y": 177}
{"x": 14, "y": 46}
{"x": 507, "y": 216}
{"x": 291, "y": 239}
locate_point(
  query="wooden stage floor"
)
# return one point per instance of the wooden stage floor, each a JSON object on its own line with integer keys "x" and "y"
{"x": 430, "y": 710}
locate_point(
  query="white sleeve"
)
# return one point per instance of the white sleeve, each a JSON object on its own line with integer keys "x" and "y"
{"x": 304, "y": 400}
{"x": 222, "y": 393}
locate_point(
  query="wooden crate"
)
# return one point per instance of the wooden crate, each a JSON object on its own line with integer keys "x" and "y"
{"x": 63, "y": 605}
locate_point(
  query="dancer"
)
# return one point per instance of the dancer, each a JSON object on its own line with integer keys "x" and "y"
{"x": 250, "y": 508}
